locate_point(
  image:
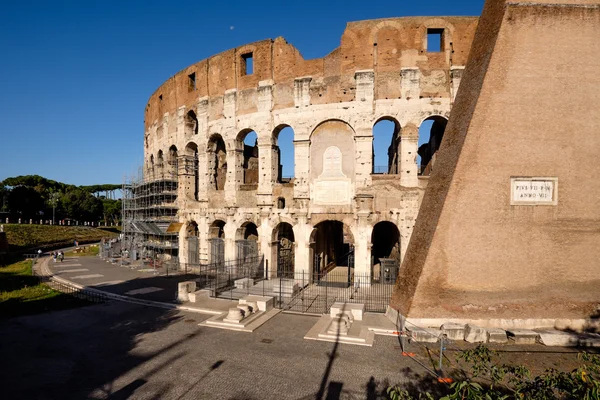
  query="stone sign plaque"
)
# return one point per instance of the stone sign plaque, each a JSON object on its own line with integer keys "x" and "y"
{"x": 533, "y": 191}
{"x": 332, "y": 187}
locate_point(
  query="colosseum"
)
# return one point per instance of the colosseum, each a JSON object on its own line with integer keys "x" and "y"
{"x": 340, "y": 209}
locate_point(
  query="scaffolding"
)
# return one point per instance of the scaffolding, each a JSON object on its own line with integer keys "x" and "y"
{"x": 150, "y": 228}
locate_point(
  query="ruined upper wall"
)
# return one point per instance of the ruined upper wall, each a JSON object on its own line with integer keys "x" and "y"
{"x": 384, "y": 46}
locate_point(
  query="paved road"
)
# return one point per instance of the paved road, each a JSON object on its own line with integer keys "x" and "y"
{"x": 95, "y": 272}
{"x": 125, "y": 351}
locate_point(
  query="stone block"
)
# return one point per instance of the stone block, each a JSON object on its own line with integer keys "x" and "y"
{"x": 184, "y": 289}
{"x": 244, "y": 283}
{"x": 496, "y": 335}
{"x": 453, "y": 331}
{"x": 523, "y": 336}
{"x": 355, "y": 309}
{"x": 475, "y": 334}
{"x": 264, "y": 303}
{"x": 284, "y": 287}
{"x": 425, "y": 335}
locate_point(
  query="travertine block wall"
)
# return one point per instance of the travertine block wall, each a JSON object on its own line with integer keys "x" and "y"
{"x": 382, "y": 70}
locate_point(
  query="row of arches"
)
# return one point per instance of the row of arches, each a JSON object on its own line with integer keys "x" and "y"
{"x": 331, "y": 245}
{"x": 387, "y": 135}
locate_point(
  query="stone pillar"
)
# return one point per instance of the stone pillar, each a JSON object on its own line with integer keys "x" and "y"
{"x": 235, "y": 172}
{"x": 265, "y": 232}
{"x": 302, "y": 257}
{"x": 203, "y": 177}
{"x": 183, "y": 245}
{"x": 265, "y": 95}
{"x": 362, "y": 251}
{"x": 202, "y": 116}
{"x": 203, "y": 230}
{"x": 363, "y": 166}
{"x": 230, "y": 230}
{"x": 407, "y": 168}
{"x": 302, "y": 169}
{"x": 302, "y": 91}
{"x": 267, "y": 165}
{"x": 365, "y": 82}
{"x": 410, "y": 83}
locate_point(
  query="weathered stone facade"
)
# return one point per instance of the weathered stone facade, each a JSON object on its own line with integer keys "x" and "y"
{"x": 382, "y": 70}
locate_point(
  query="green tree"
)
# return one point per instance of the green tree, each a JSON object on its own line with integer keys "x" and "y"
{"x": 25, "y": 201}
{"x": 81, "y": 205}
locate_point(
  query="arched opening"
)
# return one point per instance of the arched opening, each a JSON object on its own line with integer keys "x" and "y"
{"x": 190, "y": 170}
{"x": 332, "y": 247}
{"x": 385, "y": 252}
{"x": 151, "y": 167}
{"x": 247, "y": 241}
{"x": 216, "y": 239}
{"x": 191, "y": 233}
{"x": 247, "y": 141}
{"x": 284, "y": 140}
{"x": 217, "y": 162}
{"x": 431, "y": 133}
{"x": 160, "y": 163}
{"x": 172, "y": 160}
{"x": 283, "y": 244}
{"x": 191, "y": 123}
{"x": 386, "y": 141}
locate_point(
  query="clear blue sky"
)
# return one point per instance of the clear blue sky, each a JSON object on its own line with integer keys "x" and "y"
{"x": 75, "y": 75}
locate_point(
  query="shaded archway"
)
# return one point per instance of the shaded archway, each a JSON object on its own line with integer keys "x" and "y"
{"x": 246, "y": 241}
{"x": 283, "y": 137}
{"x": 216, "y": 240}
{"x": 190, "y": 170}
{"x": 151, "y": 167}
{"x": 191, "y": 235}
{"x": 431, "y": 133}
{"x": 332, "y": 246}
{"x": 386, "y": 141}
{"x": 160, "y": 163}
{"x": 385, "y": 252}
{"x": 191, "y": 123}
{"x": 172, "y": 161}
{"x": 247, "y": 142}
{"x": 217, "y": 162}
{"x": 283, "y": 250}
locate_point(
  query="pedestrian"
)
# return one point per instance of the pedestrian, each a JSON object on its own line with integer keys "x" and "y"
{"x": 54, "y": 255}
{"x": 61, "y": 255}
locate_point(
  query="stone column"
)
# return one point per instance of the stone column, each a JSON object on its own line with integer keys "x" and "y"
{"x": 267, "y": 166}
{"x": 203, "y": 177}
{"x": 302, "y": 169}
{"x": 363, "y": 166}
{"x": 203, "y": 239}
{"x": 183, "y": 244}
{"x": 230, "y": 230}
{"x": 362, "y": 252}
{"x": 265, "y": 232}
{"x": 302, "y": 259}
{"x": 409, "y": 144}
{"x": 235, "y": 172}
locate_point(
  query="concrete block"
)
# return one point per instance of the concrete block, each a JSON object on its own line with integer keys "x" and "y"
{"x": 496, "y": 335}
{"x": 194, "y": 297}
{"x": 355, "y": 309}
{"x": 425, "y": 335}
{"x": 264, "y": 303}
{"x": 453, "y": 331}
{"x": 523, "y": 336}
{"x": 475, "y": 334}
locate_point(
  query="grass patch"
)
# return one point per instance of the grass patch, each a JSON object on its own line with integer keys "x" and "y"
{"x": 22, "y": 294}
{"x": 84, "y": 251}
{"x": 24, "y": 236}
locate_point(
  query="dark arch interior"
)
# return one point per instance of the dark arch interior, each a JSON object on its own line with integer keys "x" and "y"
{"x": 385, "y": 251}
{"x": 333, "y": 246}
{"x": 429, "y": 147}
{"x": 191, "y": 123}
{"x": 216, "y": 230}
{"x": 217, "y": 162}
